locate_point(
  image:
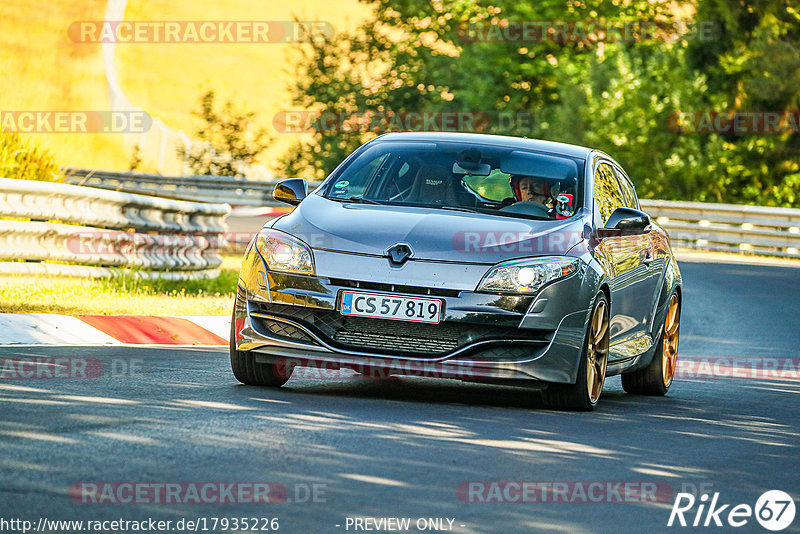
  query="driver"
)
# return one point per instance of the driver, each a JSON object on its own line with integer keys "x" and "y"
{"x": 542, "y": 191}
{"x": 532, "y": 189}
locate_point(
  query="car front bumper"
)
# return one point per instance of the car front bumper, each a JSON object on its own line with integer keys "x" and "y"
{"x": 482, "y": 336}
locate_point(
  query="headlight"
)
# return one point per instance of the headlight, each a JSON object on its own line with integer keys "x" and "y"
{"x": 528, "y": 275}
{"x": 283, "y": 252}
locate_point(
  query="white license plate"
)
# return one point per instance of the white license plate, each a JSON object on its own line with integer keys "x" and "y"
{"x": 383, "y": 306}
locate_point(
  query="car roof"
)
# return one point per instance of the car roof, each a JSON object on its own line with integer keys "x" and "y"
{"x": 501, "y": 140}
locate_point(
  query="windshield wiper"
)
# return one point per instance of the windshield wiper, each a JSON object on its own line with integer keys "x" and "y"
{"x": 356, "y": 200}
{"x": 457, "y": 208}
{"x": 364, "y": 200}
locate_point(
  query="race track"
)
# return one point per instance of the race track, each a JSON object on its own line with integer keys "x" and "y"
{"x": 404, "y": 447}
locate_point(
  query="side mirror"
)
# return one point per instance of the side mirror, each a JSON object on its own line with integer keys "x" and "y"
{"x": 291, "y": 191}
{"x": 628, "y": 221}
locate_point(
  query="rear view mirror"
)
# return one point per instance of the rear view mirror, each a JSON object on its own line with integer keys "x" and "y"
{"x": 469, "y": 162}
{"x": 481, "y": 169}
{"x": 291, "y": 191}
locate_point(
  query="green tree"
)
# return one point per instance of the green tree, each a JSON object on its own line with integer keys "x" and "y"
{"x": 620, "y": 96}
{"x": 754, "y": 65}
{"x": 228, "y": 140}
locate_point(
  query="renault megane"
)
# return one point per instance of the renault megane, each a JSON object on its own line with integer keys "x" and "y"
{"x": 483, "y": 257}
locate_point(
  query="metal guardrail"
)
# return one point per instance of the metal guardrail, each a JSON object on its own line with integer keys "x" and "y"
{"x": 729, "y": 227}
{"x": 699, "y": 225}
{"x": 149, "y": 236}
{"x": 221, "y": 189}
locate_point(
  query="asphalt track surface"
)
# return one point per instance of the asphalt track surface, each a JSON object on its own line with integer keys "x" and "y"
{"x": 402, "y": 447}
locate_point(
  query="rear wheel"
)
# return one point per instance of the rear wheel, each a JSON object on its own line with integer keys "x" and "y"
{"x": 248, "y": 371}
{"x": 656, "y": 378}
{"x": 585, "y": 392}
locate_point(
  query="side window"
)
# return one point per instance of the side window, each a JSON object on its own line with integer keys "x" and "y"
{"x": 607, "y": 193}
{"x": 627, "y": 190}
{"x": 359, "y": 181}
{"x": 394, "y": 186}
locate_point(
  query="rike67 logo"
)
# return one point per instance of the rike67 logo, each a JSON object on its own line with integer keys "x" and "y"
{"x": 774, "y": 510}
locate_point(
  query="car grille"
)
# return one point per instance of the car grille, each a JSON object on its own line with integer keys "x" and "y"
{"x": 396, "y": 337}
{"x": 281, "y": 330}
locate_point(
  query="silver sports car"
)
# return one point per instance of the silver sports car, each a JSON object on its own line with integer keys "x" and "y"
{"x": 474, "y": 257}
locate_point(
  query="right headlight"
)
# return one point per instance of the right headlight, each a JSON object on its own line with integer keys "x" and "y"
{"x": 527, "y": 275}
{"x": 284, "y": 252}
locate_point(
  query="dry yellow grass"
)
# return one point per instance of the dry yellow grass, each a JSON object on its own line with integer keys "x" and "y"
{"x": 43, "y": 69}
{"x": 256, "y": 77}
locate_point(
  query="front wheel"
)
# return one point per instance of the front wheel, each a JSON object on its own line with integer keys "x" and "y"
{"x": 248, "y": 371}
{"x": 584, "y": 394}
{"x": 656, "y": 378}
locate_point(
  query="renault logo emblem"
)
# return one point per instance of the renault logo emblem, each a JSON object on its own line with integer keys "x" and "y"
{"x": 399, "y": 254}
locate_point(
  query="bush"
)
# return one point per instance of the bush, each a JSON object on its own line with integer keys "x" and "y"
{"x": 22, "y": 158}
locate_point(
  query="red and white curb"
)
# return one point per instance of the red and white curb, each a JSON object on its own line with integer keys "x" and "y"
{"x": 268, "y": 211}
{"x": 53, "y": 329}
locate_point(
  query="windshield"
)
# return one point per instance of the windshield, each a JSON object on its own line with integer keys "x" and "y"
{"x": 462, "y": 176}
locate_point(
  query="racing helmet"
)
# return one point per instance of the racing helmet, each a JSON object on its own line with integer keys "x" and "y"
{"x": 550, "y": 188}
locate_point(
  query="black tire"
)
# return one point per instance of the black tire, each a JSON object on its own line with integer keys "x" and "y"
{"x": 248, "y": 371}
{"x": 650, "y": 380}
{"x": 576, "y": 396}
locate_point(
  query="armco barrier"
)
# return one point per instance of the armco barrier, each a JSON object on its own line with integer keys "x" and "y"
{"x": 729, "y": 227}
{"x": 156, "y": 237}
{"x": 699, "y": 225}
{"x": 231, "y": 190}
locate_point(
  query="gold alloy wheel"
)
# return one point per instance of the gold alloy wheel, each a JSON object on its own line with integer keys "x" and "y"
{"x": 669, "y": 347}
{"x": 597, "y": 352}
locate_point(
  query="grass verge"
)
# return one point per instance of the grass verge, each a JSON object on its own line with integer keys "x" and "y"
{"x": 121, "y": 296}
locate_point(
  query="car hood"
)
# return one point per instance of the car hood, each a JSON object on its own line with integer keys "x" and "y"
{"x": 432, "y": 234}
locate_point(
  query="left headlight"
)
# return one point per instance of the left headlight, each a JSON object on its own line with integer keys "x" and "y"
{"x": 528, "y": 275}
{"x": 284, "y": 252}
